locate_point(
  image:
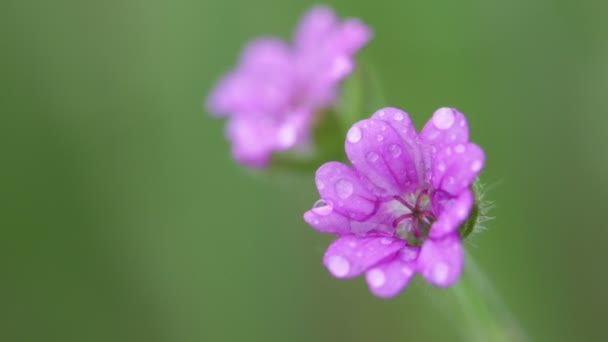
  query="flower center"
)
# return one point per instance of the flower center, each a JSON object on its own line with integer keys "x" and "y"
{"x": 414, "y": 226}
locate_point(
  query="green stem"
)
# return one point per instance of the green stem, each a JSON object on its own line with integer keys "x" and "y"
{"x": 485, "y": 317}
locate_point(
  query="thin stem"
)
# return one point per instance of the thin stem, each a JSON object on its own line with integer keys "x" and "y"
{"x": 485, "y": 317}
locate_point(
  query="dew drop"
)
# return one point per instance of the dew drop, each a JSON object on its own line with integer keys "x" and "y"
{"x": 372, "y": 157}
{"x": 380, "y": 137}
{"x": 440, "y": 272}
{"x": 476, "y": 165}
{"x": 322, "y": 207}
{"x": 443, "y": 118}
{"x": 460, "y": 148}
{"x": 394, "y": 150}
{"x": 320, "y": 185}
{"x": 441, "y": 167}
{"x": 386, "y": 241}
{"x": 338, "y": 265}
{"x": 409, "y": 254}
{"x": 376, "y": 277}
{"x": 344, "y": 188}
{"x": 354, "y": 135}
{"x": 398, "y": 116}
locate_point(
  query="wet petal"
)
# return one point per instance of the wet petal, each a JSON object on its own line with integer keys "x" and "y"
{"x": 452, "y": 213}
{"x": 402, "y": 124}
{"x": 322, "y": 218}
{"x": 440, "y": 261}
{"x": 456, "y": 166}
{"x": 350, "y": 255}
{"x": 377, "y": 152}
{"x": 389, "y": 278}
{"x": 340, "y": 185}
{"x": 447, "y": 126}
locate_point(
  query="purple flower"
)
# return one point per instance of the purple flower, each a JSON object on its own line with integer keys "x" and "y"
{"x": 398, "y": 208}
{"x": 273, "y": 94}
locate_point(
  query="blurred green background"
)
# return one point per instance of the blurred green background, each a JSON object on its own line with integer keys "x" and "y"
{"x": 124, "y": 218}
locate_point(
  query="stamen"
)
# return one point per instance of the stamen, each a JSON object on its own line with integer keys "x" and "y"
{"x": 401, "y": 218}
{"x": 405, "y": 203}
{"x": 419, "y": 197}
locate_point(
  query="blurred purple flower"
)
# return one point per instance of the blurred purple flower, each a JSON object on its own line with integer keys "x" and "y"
{"x": 398, "y": 208}
{"x": 272, "y": 95}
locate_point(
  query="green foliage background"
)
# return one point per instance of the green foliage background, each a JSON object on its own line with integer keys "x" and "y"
{"x": 124, "y": 219}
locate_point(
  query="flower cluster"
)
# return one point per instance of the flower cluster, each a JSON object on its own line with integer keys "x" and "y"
{"x": 273, "y": 94}
{"x": 398, "y": 208}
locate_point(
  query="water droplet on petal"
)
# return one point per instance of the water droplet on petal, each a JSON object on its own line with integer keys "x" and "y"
{"x": 441, "y": 167}
{"x": 352, "y": 244}
{"x": 461, "y": 212}
{"x": 320, "y": 184}
{"x": 440, "y": 272}
{"x": 381, "y": 113}
{"x": 409, "y": 254}
{"x": 394, "y": 150}
{"x": 372, "y": 157}
{"x": 380, "y": 137}
{"x": 344, "y": 188}
{"x": 354, "y": 135}
{"x": 386, "y": 241}
{"x": 476, "y": 165}
{"x": 398, "y": 116}
{"x": 443, "y": 118}
{"x": 338, "y": 265}
{"x": 460, "y": 148}
{"x": 322, "y": 207}
{"x": 376, "y": 277}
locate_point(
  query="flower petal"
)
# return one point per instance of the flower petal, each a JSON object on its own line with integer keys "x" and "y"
{"x": 316, "y": 24}
{"x": 402, "y": 124}
{"x": 440, "y": 261}
{"x": 447, "y": 126}
{"x": 452, "y": 213}
{"x": 353, "y": 34}
{"x": 456, "y": 166}
{"x": 389, "y": 278}
{"x": 341, "y": 187}
{"x": 325, "y": 220}
{"x": 378, "y": 153}
{"x": 350, "y": 255}
{"x": 252, "y": 139}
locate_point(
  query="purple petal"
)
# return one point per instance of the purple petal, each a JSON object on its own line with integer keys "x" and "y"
{"x": 350, "y": 255}
{"x": 322, "y": 218}
{"x": 453, "y": 212}
{"x": 353, "y": 35}
{"x": 440, "y": 261}
{"x": 456, "y": 166}
{"x": 402, "y": 124}
{"x": 378, "y": 153}
{"x": 341, "y": 186}
{"x": 447, "y": 126}
{"x": 389, "y": 278}
{"x": 252, "y": 139}
{"x": 315, "y": 26}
